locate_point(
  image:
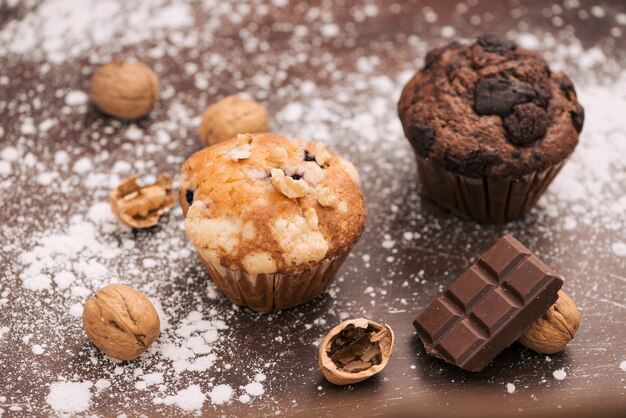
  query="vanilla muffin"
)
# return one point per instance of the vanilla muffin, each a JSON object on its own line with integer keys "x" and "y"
{"x": 272, "y": 218}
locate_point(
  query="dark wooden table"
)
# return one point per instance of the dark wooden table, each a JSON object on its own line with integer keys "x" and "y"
{"x": 409, "y": 252}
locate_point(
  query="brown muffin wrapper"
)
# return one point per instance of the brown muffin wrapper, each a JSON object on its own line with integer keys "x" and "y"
{"x": 484, "y": 199}
{"x": 272, "y": 292}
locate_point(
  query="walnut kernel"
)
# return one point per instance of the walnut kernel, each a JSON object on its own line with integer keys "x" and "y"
{"x": 326, "y": 197}
{"x": 231, "y": 116}
{"x": 322, "y": 155}
{"x": 125, "y": 90}
{"x": 286, "y": 185}
{"x": 278, "y": 155}
{"x": 142, "y": 206}
{"x": 121, "y": 321}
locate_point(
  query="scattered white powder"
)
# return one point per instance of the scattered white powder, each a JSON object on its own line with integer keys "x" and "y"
{"x": 292, "y": 112}
{"x": 448, "y": 32}
{"x": 82, "y": 166}
{"x": 189, "y": 399}
{"x": 37, "y": 349}
{"x": 36, "y": 283}
{"x": 28, "y": 128}
{"x": 5, "y": 168}
{"x": 61, "y": 158}
{"x": 387, "y": 244}
{"x": 330, "y": 30}
{"x": 510, "y": 388}
{"x": 134, "y": 133}
{"x": 4, "y": 331}
{"x": 619, "y": 249}
{"x": 559, "y": 374}
{"x": 64, "y": 29}
{"x": 622, "y": 365}
{"x": 64, "y": 279}
{"x": 76, "y": 310}
{"x": 149, "y": 263}
{"x": 10, "y": 154}
{"x": 254, "y": 389}
{"x": 152, "y": 378}
{"x": 221, "y": 394}
{"x": 71, "y": 397}
{"x": 76, "y": 98}
{"x": 46, "y": 125}
{"x": 102, "y": 384}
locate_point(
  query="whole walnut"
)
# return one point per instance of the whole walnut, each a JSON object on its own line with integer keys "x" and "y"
{"x": 231, "y": 116}
{"x": 555, "y": 329}
{"x": 121, "y": 321}
{"x": 125, "y": 90}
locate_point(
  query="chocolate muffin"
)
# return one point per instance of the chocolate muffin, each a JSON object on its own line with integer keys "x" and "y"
{"x": 491, "y": 126}
{"x": 272, "y": 218}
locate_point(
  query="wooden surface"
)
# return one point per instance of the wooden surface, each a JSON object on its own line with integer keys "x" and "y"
{"x": 404, "y": 277}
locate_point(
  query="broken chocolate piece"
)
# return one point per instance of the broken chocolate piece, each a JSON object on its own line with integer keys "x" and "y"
{"x": 489, "y": 306}
{"x": 526, "y": 124}
{"x": 497, "y": 95}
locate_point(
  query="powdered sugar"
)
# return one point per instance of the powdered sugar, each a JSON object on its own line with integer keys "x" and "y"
{"x": 254, "y": 389}
{"x": 76, "y": 98}
{"x": 69, "y": 397}
{"x": 619, "y": 248}
{"x": 64, "y": 31}
{"x": 189, "y": 399}
{"x": 221, "y": 394}
{"x": 559, "y": 374}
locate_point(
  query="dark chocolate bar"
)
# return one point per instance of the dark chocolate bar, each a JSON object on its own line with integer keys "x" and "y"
{"x": 489, "y": 306}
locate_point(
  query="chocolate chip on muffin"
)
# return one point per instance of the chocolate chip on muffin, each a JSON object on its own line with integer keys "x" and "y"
{"x": 498, "y": 95}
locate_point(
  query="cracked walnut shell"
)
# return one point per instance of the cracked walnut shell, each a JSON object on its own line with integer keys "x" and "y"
{"x": 121, "y": 321}
{"x": 231, "y": 116}
{"x": 125, "y": 90}
{"x": 555, "y": 329}
{"x": 142, "y": 206}
{"x": 355, "y": 350}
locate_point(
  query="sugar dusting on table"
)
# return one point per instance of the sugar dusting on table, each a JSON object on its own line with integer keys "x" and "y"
{"x": 57, "y": 264}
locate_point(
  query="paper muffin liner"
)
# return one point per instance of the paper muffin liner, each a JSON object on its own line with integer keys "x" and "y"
{"x": 484, "y": 199}
{"x": 276, "y": 291}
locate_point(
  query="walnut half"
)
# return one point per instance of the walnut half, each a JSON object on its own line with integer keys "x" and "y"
{"x": 142, "y": 206}
{"x": 555, "y": 329}
{"x": 355, "y": 350}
